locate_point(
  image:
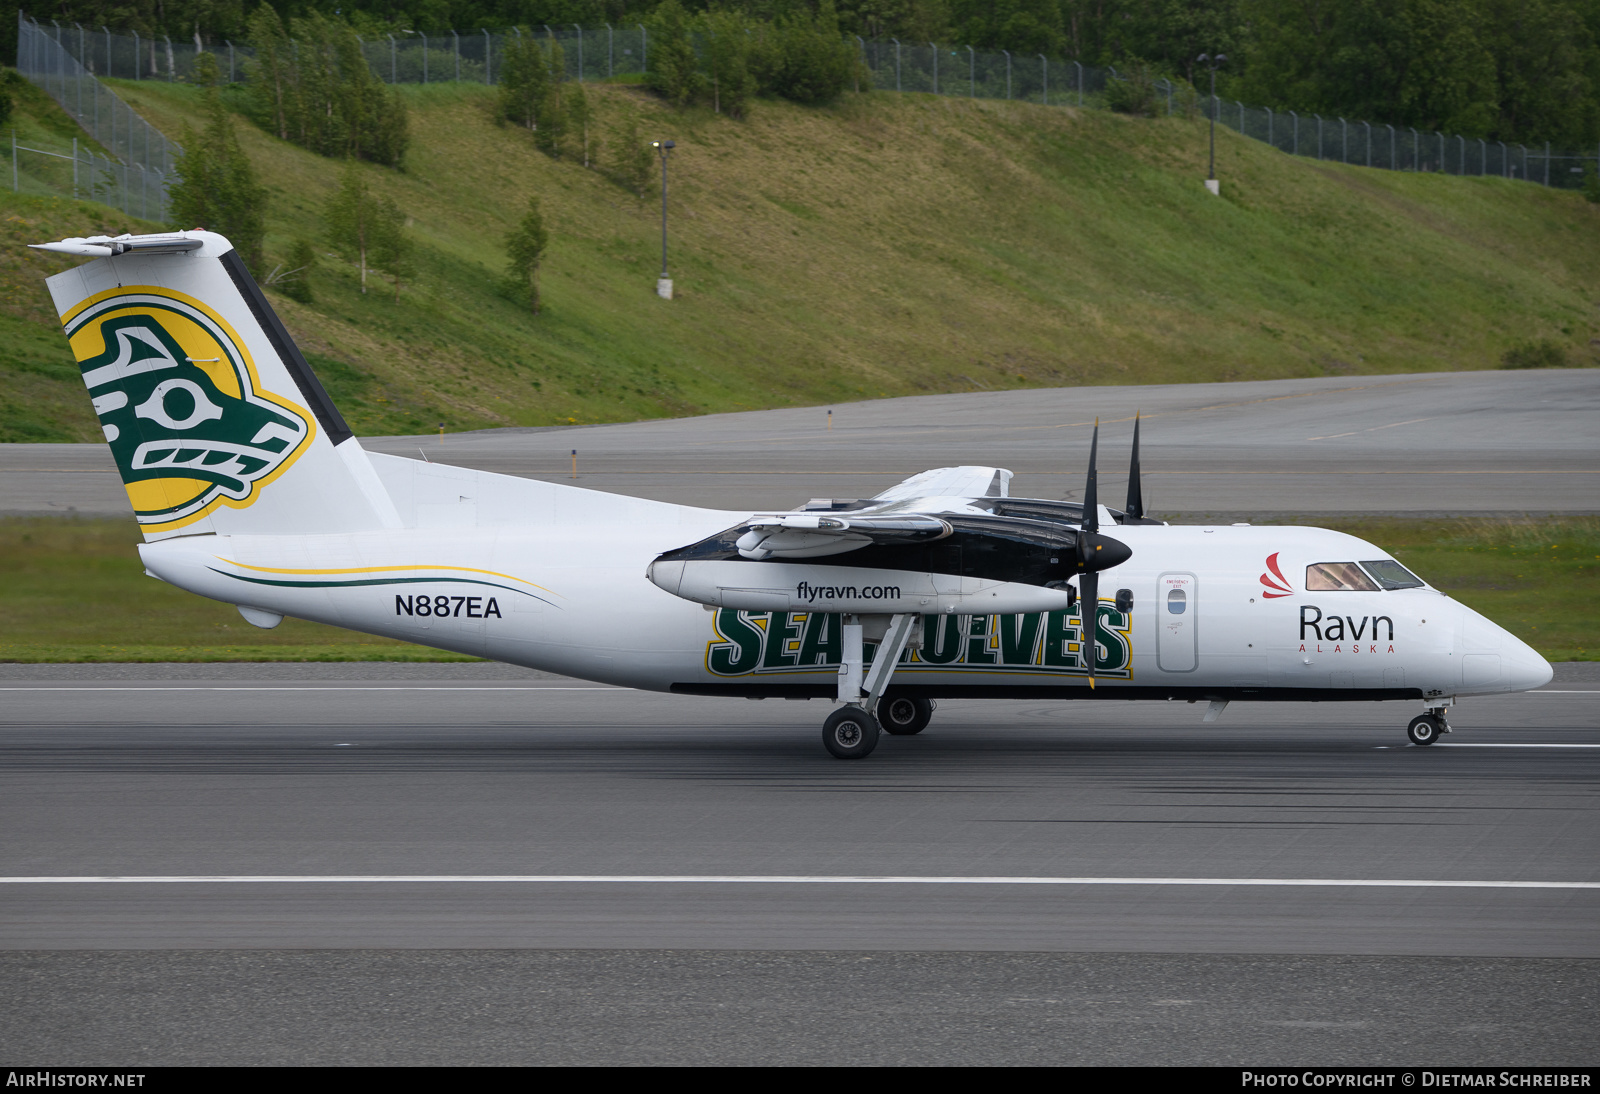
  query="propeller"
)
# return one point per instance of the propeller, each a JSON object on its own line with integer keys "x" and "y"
{"x": 1135, "y": 506}
{"x": 1088, "y": 547}
{"x": 1095, "y": 553}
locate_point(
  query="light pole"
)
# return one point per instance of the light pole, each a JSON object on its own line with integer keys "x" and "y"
{"x": 1212, "y": 62}
{"x": 664, "y": 283}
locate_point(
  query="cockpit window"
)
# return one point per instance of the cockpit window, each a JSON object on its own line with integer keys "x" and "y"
{"x": 1343, "y": 577}
{"x": 1391, "y": 575}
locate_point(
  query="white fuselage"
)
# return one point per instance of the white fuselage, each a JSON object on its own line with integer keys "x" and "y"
{"x": 554, "y": 578}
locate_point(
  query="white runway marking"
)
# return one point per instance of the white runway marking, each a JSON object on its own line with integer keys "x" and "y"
{"x": 1472, "y": 744}
{"x": 768, "y": 879}
{"x": 592, "y": 687}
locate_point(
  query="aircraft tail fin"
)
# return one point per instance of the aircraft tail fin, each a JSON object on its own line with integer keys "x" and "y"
{"x": 215, "y": 419}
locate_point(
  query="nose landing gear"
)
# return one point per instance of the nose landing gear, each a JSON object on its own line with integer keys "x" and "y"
{"x": 1428, "y": 728}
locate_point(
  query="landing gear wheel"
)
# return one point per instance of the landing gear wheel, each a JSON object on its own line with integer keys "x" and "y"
{"x": 850, "y": 733}
{"x": 901, "y": 715}
{"x": 1424, "y": 729}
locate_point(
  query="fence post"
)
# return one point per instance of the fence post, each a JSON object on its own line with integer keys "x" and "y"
{"x": 135, "y": 55}
{"x": 1547, "y": 163}
{"x": 171, "y": 75}
{"x": 74, "y": 167}
{"x": 896, "y": 42}
{"x": 1483, "y": 157}
{"x": 1416, "y": 150}
{"x": 1044, "y": 73}
{"x": 972, "y": 73}
{"x": 108, "y": 50}
{"x": 1391, "y": 146}
{"x": 1080, "y": 83}
{"x": 644, "y": 47}
{"x": 1319, "y": 134}
{"x": 1369, "y": 142}
{"x": 1007, "y": 52}
{"x": 935, "y": 51}
{"x": 457, "y": 38}
{"x": 579, "y": 29}
{"x": 1295, "y": 124}
{"x": 1240, "y": 105}
{"x": 15, "y": 184}
{"x": 1505, "y": 162}
{"x": 393, "y": 70}
{"x": 488, "y": 63}
{"x": 1268, "y": 109}
{"x": 1344, "y": 141}
{"x": 609, "y": 51}
{"x": 424, "y": 60}
{"x": 1461, "y": 143}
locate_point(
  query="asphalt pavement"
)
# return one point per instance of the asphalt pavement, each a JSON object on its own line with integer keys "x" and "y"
{"x": 480, "y": 864}
{"x": 1427, "y": 444}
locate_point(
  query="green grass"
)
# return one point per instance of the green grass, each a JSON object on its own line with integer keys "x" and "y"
{"x": 885, "y": 246}
{"x": 1539, "y": 579}
{"x": 75, "y": 591}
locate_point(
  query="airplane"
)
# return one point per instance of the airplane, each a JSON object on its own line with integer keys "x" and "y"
{"x": 250, "y": 488}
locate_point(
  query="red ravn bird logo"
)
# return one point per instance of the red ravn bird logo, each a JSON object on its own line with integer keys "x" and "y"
{"x": 1275, "y": 584}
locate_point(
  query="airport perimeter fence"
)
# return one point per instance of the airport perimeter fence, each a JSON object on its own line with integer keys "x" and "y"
{"x": 606, "y": 52}
{"x": 133, "y": 162}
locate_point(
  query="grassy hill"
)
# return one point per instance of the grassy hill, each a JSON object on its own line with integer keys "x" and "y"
{"x": 886, "y": 246}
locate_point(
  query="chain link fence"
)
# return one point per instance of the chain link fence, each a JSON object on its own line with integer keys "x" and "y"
{"x": 133, "y": 162}
{"x": 65, "y": 60}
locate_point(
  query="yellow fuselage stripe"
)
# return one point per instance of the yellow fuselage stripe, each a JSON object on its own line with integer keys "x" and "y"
{"x": 378, "y": 570}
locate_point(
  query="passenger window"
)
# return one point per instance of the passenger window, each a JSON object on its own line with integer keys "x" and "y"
{"x": 1177, "y": 601}
{"x": 1392, "y": 575}
{"x": 1343, "y": 577}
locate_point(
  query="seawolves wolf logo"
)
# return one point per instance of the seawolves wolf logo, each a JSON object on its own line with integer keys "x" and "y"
{"x": 181, "y": 406}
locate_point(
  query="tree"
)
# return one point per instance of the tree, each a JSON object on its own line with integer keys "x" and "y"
{"x": 270, "y": 73}
{"x": 525, "y": 248}
{"x": 633, "y": 161}
{"x": 817, "y": 63}
{"x": 293, "y": 278}
{"x": 217, "y": 187}
{"x": 674, "y": 69}
{"x": 524, "y": 82}
{"x": 392, "y": 250}
{"x": 313, "y": 86}
{"x": 579, "y": 119}
{"x": 353, "y": 214}
{"x": 552, "y": 118}
{"x": 727, "y": 62}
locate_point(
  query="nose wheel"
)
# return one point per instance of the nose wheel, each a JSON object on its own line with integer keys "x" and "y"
{"x": 850, "y": 733}
{"x": 1427, "y": 728}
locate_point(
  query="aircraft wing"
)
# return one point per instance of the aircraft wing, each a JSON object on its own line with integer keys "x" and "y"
{"x": 951, "y": 482}
{"x": 809, "y": 535}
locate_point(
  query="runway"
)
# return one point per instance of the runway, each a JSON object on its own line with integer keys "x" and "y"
{"x": 355, "y": 863}
{"x": 377, "y": 773}
{"x": 1429, "y": 444}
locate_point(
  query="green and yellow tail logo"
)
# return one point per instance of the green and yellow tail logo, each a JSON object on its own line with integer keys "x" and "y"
{"x": 181, "y": 405}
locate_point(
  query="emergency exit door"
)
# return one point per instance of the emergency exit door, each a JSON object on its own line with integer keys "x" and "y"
{"x": 1177, "y": 619}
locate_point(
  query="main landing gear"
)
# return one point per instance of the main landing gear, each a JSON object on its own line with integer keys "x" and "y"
{"x": 851, "y": 732}
{"x": 1428, "y": 728}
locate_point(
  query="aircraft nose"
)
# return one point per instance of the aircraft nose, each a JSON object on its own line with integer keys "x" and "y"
{"x": 1525, "y": 668}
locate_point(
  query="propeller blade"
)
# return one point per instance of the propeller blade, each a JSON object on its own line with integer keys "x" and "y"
{"x": 1089, "y": 614}
{"x": 1091, "y": 491}
{"x": 1135, "y": 506}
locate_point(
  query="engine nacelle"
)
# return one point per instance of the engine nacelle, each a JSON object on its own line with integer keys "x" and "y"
{"x": 796, "y": 586}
